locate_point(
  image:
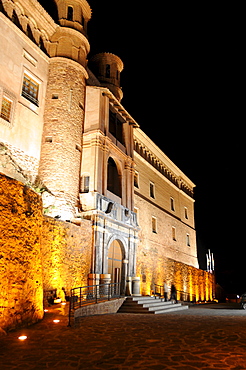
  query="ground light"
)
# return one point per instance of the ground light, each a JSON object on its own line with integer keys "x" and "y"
{"x": 56, "y": 321}
{"x": 22, "y": 337}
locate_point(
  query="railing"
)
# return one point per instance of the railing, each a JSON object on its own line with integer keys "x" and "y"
{"x": 181, "y": 295}
{"x": 82, "y": 296}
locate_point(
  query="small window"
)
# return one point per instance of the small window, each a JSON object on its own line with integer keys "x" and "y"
{"x": 136, "y": 179}
{"x": 172, "y": 204}
{"x": 174, "y": 233}
{"x": 70, "y": 13}
{"x": 107, "y": 71}
{"x": 188, "y": 240}
{"x": 154, "y": 225}
{"x": 85, "y": 184}
{"x": 30, "y": 89}
{"x": 152, "y": 190}
{"x": 186, "y": 213}
{"x": 6, "y": 109}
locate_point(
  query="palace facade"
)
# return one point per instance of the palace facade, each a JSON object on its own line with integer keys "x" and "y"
{"x": 65, "y": 133}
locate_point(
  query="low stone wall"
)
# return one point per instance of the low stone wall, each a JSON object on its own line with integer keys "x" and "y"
{"x": 98, "y": 309}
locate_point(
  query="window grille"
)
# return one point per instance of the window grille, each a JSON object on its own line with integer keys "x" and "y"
{"x": 6, "y": 109}
{"x": 30, "y": 89}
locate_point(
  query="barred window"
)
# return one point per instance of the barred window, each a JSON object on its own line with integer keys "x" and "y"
{"x": 6, "y": 108}
{"x": 30, "y": 89}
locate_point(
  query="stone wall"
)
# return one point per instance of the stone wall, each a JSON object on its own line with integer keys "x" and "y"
{"x": 37, "y": 253}
{"x": 191, "y": 283}
{"x": 17, "y": 164}
{"x": 101, "y": 308}
{"x": 66, "y": 254}
{"x": 21, "y": 289}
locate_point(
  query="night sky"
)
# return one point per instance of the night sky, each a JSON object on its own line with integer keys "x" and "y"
{"x": 182, "y": 83}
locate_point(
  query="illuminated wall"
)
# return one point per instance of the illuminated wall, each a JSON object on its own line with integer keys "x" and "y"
{"x": 21, "y": 286}
{"x": 37, "y": 253}
{"x": 66, "y": 254}
{"x": 191, "y": 283}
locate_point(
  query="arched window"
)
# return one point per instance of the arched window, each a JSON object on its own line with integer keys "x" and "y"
{"x": 114, "y": 180}
{"x": 70, "y": 13}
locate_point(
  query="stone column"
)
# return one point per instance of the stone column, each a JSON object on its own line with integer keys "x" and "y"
{"x": 128, "y": 286}
{"x": 124, "y": 277}
{"x": 136, "y": 286}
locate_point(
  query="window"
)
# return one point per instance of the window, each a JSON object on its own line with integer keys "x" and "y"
{"x": 70, "y": 13}
{"x": 6, "y": 109}
{"x": 174, "y": 233}
{"x": 114, "y": 180}
{"x": 154, "y": 225}
{"x": 152, "y": 190}
{"x": 85, "y": 184}
{"x": 172, "y": 204}
{"x": 186, "y": 213}
{"x": 30, "y": 89}
{"x": 188, "y": 240}
{"x": 116, "y": 127}
{"x": 107, "y": 71}
{"x": 136, "y": 179}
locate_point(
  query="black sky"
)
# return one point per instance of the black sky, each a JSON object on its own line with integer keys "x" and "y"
{"x": 182, "y": 82}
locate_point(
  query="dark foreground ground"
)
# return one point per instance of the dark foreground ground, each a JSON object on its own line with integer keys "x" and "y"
{"x": 203, "y": 337}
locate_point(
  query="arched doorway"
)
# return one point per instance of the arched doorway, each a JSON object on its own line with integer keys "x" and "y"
{"x": 115, "y": 261}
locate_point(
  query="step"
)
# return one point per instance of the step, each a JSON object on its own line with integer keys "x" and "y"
{"x": 156, "y": 304}
{"x": 163, "y": 307}
{"x": 149, "y": 305}
{"x": 172, "y": 309}
{"x": 149, "y": 301}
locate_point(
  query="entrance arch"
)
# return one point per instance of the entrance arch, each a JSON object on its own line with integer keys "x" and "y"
{"x": 115, "y": 258}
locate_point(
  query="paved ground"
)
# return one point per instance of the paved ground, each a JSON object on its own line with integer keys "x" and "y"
{"x": 210, "y": 337}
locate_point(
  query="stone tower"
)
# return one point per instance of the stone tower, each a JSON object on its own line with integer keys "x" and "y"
{"x": 107, "y": 68}
{"x": 64, "y": 108}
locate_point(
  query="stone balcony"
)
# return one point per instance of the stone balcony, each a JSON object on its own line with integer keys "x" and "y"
{"x": 94, "y": 202}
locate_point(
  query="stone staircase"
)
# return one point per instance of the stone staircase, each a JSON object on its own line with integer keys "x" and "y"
{"x": 146, "y": 305}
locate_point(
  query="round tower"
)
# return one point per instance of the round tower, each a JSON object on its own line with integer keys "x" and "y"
{"x": 60, "y": 159}
{"x": 107, "y": 68}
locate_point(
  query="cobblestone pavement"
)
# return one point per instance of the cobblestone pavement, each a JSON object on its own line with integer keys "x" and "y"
{"x": 203, "y": 337}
